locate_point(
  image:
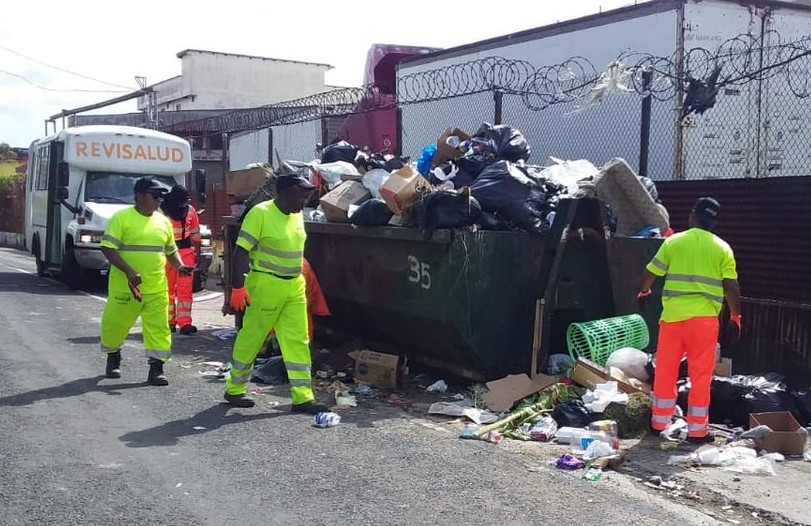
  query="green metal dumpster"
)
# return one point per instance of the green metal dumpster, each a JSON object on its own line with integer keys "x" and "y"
{"x": 480, "y": 304}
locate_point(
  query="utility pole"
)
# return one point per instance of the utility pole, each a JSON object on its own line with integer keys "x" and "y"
{"x": 151, "y": 110}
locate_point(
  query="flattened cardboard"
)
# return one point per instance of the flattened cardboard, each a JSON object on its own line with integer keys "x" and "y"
{"x": 378, "y": 369}
{"x": 443, "y": 151}
{"x": 336, "y": 203}
{"x": 245, "y": 182}
{"x": 402, "y": 189}
{"x": 784, "y": 437}
{"x": 504, "y": 393}
{"x": 589, "y": 375}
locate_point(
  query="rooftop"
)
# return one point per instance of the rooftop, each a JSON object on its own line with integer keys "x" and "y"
{"x": 187, "y": 51}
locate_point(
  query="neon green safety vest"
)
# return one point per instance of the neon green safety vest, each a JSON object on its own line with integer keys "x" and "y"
{"x": 275, "y": 241}
{"x": 696, "y": 262}
{"x": 143, "y": 243}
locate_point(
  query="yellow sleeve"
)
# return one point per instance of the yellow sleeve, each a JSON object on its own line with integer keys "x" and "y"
{"x": 659, "y": 264}
{"x": 114, "y": 233}
{"x": 251, "y": 231}
{"x": 170, "y": 247}
{"x": 729, "y": 267}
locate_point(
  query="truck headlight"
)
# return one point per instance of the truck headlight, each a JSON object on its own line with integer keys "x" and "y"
{"x": 90, "y": 237}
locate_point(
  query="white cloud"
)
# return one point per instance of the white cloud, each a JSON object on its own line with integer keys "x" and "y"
{"x": 115, "y": 43}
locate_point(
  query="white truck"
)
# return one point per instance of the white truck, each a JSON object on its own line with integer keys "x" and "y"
{"x": 79, "y": 177}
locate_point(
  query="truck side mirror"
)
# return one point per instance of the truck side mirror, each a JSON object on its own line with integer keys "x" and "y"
{"x": 62, "y": 193}
{"x": 200, "y": 185}
{"x": 63, "y": 175}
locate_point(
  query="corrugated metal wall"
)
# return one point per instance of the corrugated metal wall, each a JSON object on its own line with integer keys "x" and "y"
{"x": 768, "y": 224}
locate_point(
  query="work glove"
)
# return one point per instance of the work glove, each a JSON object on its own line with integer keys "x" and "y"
{"x": 733, "y": 329}
{"x": 185, "y": 270}
{"x": 239, "y": 299}
{"x": 642, "y": 300}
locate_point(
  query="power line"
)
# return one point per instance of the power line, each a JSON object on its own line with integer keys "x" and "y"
{"x": 46, "y": 88}
{"x": 63, "y": 69}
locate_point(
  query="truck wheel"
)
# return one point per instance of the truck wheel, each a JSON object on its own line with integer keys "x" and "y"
{"x": 72, "y": 274}
{"x": 38, "y": 257}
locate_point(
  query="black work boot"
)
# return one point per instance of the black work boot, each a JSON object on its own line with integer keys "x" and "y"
{"x": 310, "y": 407}
{"x": 699, "y": 441}
{"x": 113, "y": 365}
{"x": 156, "y": 376}
{"x": 239, "y": 400}
{"x": 188, "y": 329}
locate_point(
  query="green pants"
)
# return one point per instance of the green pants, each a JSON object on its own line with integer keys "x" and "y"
{"x": 279, "y": 304}
{"x": 120, "y": 314}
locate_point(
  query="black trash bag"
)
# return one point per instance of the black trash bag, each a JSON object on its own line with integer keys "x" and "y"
{"x": 447, "y": 210}
{"x": 572, "y": 414}
{"x": 460, "y": 180}
{"x": 506, "y": 142}
{"x": 473, "y": 165}
{"x": 491, "y": 221}
{"x": 383, "y": 162}
{"x": 507, "y": 190}
{"x": 374, "y": 212}
{"x": 339, "y": 151}
{"x": 272, "y": 372}
{"x": 733, "y": 399}
{"x": 802, "y": 400}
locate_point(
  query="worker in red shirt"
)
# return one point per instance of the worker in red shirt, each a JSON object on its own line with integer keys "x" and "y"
{"x": 177, "y": 207}
{"x": 700, "y": 272}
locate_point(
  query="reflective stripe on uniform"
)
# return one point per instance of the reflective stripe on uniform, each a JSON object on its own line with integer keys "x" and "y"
{"x": 698, "y": 412}
{"x": 159, "y": 355}
{"x": 242, "y": 378}
{"x": 694, "y": 278}
{"x": 142, "y": 248}
{"x": 674, "y": 293}
{"x": 305, "y": 367}
{"x": 656, "y": 262}
{"x": 292, "y": 254}
{"x": 248, "y": 237}
{"x": 695, "y": 427}
{"x": 664, "y": 403}
{"x": 296, "y": 382}
{"x": 111, "y": 239}
{"x": 107, "y": 349}
{"x": 659, "y": 419}
{"x": 278, "y": 269}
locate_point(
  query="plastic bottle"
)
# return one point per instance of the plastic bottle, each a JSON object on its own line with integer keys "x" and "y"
{"x": 608, "y": 427}
{"x": 324, "y": 419}
{"x": 581, "y": 439}
{"x": 565, "y": 434}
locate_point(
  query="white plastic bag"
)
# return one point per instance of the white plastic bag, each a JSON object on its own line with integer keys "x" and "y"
{"x": 374, "y": 179}
{"x": 597, "y": 449}
{"x": 603, "y": 394}
{"x": 331, "y": 172}
{"x": 630, "y": 361}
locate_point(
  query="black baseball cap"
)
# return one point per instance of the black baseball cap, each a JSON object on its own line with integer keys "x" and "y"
{"x": 707, "y": 210}
{"x": 293, "y": 179}
{"x": 147, "y": 185}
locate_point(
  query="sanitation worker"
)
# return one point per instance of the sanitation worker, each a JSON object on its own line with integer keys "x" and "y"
{"x": 138, "y": 242}
{"x": 270, "y": 248}
{"x": 186, "y": 226}
{"x": 700, "y": 272}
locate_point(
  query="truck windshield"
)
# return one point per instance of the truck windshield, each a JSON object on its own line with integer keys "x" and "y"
{"x": 108, "y": 187}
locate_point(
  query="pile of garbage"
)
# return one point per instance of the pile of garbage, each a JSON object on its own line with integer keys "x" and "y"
{"x": 483, "y": 180}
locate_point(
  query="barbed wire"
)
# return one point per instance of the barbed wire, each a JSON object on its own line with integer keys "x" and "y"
{"x": 742, "y": 59}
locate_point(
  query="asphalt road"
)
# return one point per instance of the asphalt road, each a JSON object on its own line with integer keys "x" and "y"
{"x": 76, "y": 448}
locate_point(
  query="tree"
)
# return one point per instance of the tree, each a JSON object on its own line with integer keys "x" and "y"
{"x": 6, "y": 153}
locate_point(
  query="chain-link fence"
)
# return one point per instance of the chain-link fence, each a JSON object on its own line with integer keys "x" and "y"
{"x": 737, "y": 111}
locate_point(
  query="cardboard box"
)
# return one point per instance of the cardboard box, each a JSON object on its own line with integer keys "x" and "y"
{"x": 245, "y": 182}
{"x": 444, "y": 152}
{"x": 403, "y": 189}
{"x": 378, "y": 369}
{"x": 785, "y": 437}
{"x": 589, "y": 374}
{"x": 336, "y": 202}
{"x": 502, "y": 394}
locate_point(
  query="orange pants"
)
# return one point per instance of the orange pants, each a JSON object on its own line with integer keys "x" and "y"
{"x": 697, "y": 338}
{"x": 180, "y": 290}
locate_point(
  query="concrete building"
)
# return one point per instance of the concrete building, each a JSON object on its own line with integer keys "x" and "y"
{"x": 211, "y": 80}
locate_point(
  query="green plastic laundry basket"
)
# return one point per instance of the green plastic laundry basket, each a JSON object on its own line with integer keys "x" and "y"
{"x": 596, "y": 340}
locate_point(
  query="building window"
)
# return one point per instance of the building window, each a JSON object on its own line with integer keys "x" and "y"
{"x": 177, "y": 107}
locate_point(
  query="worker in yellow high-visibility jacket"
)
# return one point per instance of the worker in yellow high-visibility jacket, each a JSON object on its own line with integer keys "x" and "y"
{"x": 138, "y": 242}
{"x": 270, "y": 247}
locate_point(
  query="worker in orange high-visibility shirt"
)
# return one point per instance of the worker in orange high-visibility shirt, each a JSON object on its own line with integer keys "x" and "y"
{"x": 186, "y": 225}
{"x": 700, "y": 272}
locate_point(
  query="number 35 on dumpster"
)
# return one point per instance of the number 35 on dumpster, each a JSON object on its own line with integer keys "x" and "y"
{"x": 419, "y": 272}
